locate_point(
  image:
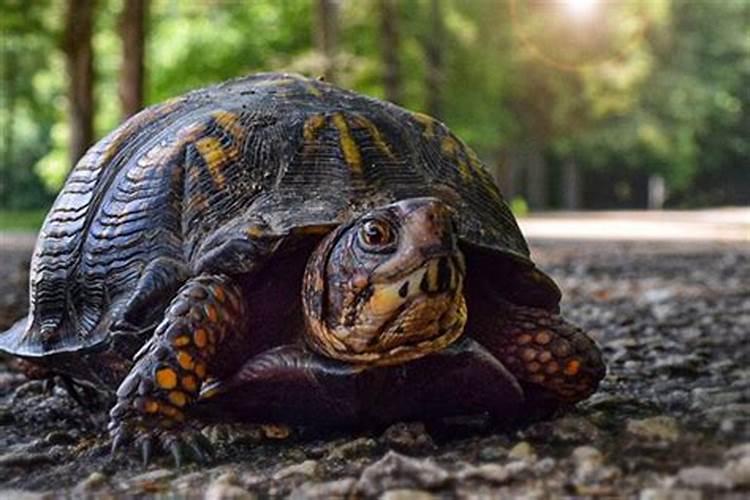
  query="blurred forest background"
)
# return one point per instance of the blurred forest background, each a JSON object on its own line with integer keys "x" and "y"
{"x": 572, "y": 104}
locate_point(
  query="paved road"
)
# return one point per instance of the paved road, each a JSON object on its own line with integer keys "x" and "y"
{"x": 726, "y": 224}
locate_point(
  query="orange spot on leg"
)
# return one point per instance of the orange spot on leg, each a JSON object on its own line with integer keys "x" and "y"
{"x": 185, "y": 360}
{"x": 177, "y": 398}
{"x": 189, "y": 383}
{"x": 166, "y": 378}
{"x": 200, "y": 337}
{"x": 572, "y": 367}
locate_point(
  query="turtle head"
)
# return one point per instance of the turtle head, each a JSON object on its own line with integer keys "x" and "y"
{"x": 387, "y": 286}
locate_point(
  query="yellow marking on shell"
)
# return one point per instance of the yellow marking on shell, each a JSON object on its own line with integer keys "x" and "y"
{"x": 219, "y": 294}
{"x": 230, "y": 122}
{"x": 451, "y": 147}
{"x": 189, "y": 383}
{"x": 352, "y": 156}
{"x": 211, "y": 313}
{"x": 254, "y": 231}
{"x": 572, "y": 367}
{"x": 375, "y": 135}
{"x": 200, "y": 337}
{"x": 312, "y": 126}
{"x": 216, "y": 157}
{"x": 200, "y": 369}
{"x": 166, "y": 378}
{"x": 151, "y": 406}
{"x": 427, "y": 122}
{"x": 177, "y": 398}
{"x": 181, "y": 341}
{"x": 185, "y": 360}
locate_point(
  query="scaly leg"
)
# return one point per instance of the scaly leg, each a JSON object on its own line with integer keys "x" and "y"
{"x": 205, "y": 317}
{"x": 556, "y": 363}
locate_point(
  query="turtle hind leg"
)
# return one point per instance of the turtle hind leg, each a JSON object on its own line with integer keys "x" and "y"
{"x": 556, "y": 363}
{"x": 206, "y": 316}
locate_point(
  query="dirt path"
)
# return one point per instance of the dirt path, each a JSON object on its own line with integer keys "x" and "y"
{"x": 672, "y": 419}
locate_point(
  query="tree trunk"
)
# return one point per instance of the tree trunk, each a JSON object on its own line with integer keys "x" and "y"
{"x": 389, "y": 41}
{"x": 80, "y": 66}
{"x": 537, "y": 177}
{"x": 571, "y": 185}
{"x": 132, "y": 27}
{"x": 326, "y": 35}
{"x": 433, "y": 56}
{"x": 10, "y": 88}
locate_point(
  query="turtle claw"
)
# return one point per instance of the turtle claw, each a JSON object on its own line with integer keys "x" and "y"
{"x": 147, "y": 449}
{"x": 184, "y": 444}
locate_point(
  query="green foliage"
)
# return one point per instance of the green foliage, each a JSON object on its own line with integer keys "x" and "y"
{"x": 637, "y": 87}
{"x": 22, "y": 220}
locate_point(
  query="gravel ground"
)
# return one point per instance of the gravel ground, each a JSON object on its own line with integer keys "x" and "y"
{"x": 671, "y": 420}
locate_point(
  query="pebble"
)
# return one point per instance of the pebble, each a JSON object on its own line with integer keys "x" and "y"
{"x": 12, "y": 494}
{"x": 704, "y": 477}
{"x": 59, "y": 437}
{"x": 522, "y": 451}
{"x": 661, "y": 428}
{"x": 669, "y": 494}
{"x": 399, "y": 471}
{"x": 353, "y": 449}
{"x": 409, "y": 437}
{"x": 738, "y": 471}
{"x": 24, "y": 459}
{"x": 324, "y": 491}
{"x": 93, "y": 482}
{"x": 407, "y": 494}
{"x": 227, "y": 487}
{"x": 307, "y": 468}
{"x": 493, "y": 473}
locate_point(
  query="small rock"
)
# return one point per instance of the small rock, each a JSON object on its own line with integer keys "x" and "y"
{"x": 406, "y": 494}
{"x": 59, "y": 437}
{"x": 587, "y": 454}
{"x": 22, "y": 495}
{"x": 93, "y": 482}
{"x": 24, "y": 459}
{"x": 395, "y": 471}
{"x": 493, "y": 473}
{"x": 493, "y": 453}
{"x": 738, "y": 451}
{"x": 232, "y": 434}
{"x": 545, "y": 466}
{"x": 353, "y": 449}
{"x": 704, "y": 477}
{"x": 738, "y": 471}
{"x": 307, "y": 468}
{"x": 661, "y": 428}
{"x": 152, "y": 481}
{"x": 409, "y": 437}
{"x": 324, "y": 491}
{"x": 669, "y": 494}
{"x": 227, "y": 487}
{"x": 522, "y": 451}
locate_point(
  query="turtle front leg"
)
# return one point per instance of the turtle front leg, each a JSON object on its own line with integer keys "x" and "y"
{"x": 205, "y": 317}
{"x": 556, "y": 363}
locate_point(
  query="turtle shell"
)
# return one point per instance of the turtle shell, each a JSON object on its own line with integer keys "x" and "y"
{"x": 214, "y": 180}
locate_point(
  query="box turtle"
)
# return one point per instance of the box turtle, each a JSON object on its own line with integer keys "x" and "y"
{"x": 276, "y": 248}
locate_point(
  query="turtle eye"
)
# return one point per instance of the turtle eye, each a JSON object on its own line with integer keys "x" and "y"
{"x": 376, "y": 234}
